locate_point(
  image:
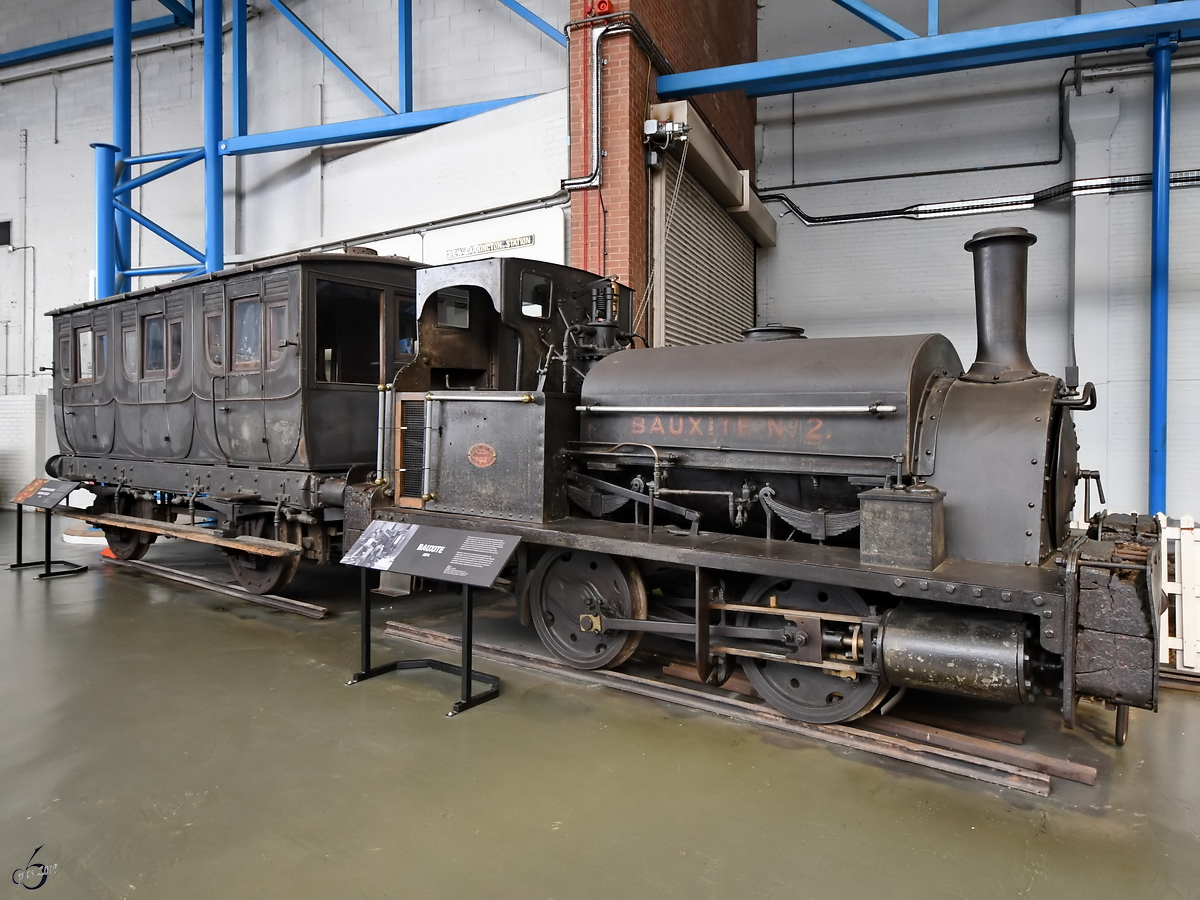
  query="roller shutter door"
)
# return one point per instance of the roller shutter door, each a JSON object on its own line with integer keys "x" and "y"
{"x": 709, "y": 267}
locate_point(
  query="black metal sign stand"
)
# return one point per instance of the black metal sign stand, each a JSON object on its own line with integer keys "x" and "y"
{"x": 464, "y": 671}
{"x": 66, "y": 568}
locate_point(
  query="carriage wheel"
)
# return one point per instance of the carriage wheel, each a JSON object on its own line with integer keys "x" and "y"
{"x": 263, "y": 574}
{"x": 126, "y": 544}
{"x": 806, "y": 692}
{"x": 569, "y": 584}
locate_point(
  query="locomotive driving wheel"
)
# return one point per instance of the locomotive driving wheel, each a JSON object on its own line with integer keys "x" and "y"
{"x": 126, "y": 544}
{"x": 568, "y": 584}
{"x": 808, "y": 693}
{"x": 263, "y": 574}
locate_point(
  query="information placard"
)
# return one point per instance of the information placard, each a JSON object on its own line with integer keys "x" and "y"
{"x": 44, "y": 493}
{"x": 443, "y": 554}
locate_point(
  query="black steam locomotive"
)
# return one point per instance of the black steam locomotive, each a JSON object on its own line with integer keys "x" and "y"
{"x": 838, "y": 516}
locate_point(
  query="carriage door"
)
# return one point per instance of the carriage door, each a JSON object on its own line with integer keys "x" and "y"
{"x": 152, "y": 389}
{"x": 241, "y": 413}
{"x": 281, "y": 355}
{"x": 90, "y": 424}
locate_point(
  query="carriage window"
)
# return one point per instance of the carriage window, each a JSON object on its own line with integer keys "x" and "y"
{"x": 348, "y": 333}
{"x": 214, "y": 339}
{"x": 84, "y": 357}
{"x": 247, "y": 334}
{"x": 153, "y": 346}
{"x": 536, "y": 291}
{"x": 453, "y": 308}
{"x": 101, "y": 355}
{"x": 64, "y": 359}
{"x": 174, "y": 346}
{"x": 129, "y": 354}
{"x": 406, "y": 326}
{"x": 276, "y": 332}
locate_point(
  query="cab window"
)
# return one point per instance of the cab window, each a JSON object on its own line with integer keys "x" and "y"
{"x": 453, "y": 308}
{"x": 536, "y": 292}
{"x": 348, "y": 336}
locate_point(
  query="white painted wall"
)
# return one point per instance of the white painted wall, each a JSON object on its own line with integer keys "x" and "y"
{"x": 464, "y": 51}
{"x": 909, "y": 276}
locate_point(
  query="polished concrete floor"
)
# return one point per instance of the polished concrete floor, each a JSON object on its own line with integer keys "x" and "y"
{"x": 164, "y": 742}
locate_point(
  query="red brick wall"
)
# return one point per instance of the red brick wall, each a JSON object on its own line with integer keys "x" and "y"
{"x": 608, "y": 224}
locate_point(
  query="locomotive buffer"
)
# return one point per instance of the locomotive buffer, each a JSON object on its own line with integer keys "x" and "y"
{"x": 468, "y": 558}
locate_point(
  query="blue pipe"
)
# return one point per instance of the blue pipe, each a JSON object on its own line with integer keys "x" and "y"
{"x": 241, "y": 117}
{"x": 85, "y": 42}
{"x": 406, "y": 55}
{"x": 1160, "y": 248}
{"x": 179, "y": 163}
{"x": 214, "y": 181}
{"x": 123, "y": 119}
{"x": 162, "y": 270}
{"x": 155, "y": 228}
{"x": 106, "y": 223}
{"x": 160, "y": 157}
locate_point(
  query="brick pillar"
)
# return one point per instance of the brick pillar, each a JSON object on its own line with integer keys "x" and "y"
{"x": 609, "y": 222}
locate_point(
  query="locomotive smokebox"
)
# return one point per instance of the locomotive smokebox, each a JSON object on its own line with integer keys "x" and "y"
{"x": 1001, "y": 278}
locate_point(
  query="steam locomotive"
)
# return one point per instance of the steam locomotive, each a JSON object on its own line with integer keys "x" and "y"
{"x": 837, "y": 516}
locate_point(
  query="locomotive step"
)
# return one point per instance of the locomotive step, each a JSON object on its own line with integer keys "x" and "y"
{"x": 255, "y": 546}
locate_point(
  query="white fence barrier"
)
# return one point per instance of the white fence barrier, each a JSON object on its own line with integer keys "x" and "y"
{"x": 1176, "y": 576}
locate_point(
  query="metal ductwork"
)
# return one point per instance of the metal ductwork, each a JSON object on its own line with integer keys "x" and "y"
{"x": 1001, "y": 281}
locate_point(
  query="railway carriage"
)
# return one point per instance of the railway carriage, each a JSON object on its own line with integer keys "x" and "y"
{"x": 250, "y": 397}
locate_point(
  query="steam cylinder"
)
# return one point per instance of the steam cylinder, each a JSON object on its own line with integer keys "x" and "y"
{"x": 981, "y": 656}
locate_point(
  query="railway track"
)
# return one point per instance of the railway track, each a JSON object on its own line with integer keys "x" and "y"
{"x": 286, "y": 604}
{"x": 980, "y": 759}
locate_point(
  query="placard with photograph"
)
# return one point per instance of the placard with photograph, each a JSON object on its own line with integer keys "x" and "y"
{"x": 443, "y": 554}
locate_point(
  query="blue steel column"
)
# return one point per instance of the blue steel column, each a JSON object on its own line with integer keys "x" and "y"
{"x": 1160, "y": 246}
{"x": 106, "y": 223}
{"x": 241, "y": 119}
{"x": 406, "y": 71}
{"x": 214, "y": 181}
{"x": 122, "y": 125}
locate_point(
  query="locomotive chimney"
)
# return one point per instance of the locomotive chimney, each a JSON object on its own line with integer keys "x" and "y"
{"x": 1001, "y": 277}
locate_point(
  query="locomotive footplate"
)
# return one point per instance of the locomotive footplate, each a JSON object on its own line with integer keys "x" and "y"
{"x": 1034, "y": 591}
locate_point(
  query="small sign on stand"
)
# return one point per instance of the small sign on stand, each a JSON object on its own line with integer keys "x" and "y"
{"x": 472, "y": 559}
{"x": 43, "y": 494}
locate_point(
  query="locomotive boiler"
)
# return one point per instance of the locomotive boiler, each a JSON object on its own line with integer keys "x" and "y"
{"x": 839, "y": 516}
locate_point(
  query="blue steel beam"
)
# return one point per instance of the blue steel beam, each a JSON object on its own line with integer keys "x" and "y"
{"x": 357, "y": 130}
{"x": 163, "y": 270}
{"x": 84, "y": 42}
{"x": 933, "y": 18}
{"x": 184, "y": 11}
{"x": 1049, "y": 38}
{"x": 553, "y": 33}
{"x": 872, "y": 16}
{"x": 151, "y": 225}
{"x": 127, "y": 186}
{"x": 122, "y": 134}
{"x": 340, "y": 64}
{"x": 160, "y": 157}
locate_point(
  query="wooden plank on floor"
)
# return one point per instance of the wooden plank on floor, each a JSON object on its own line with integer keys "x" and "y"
{"x": 253, "y": 545}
